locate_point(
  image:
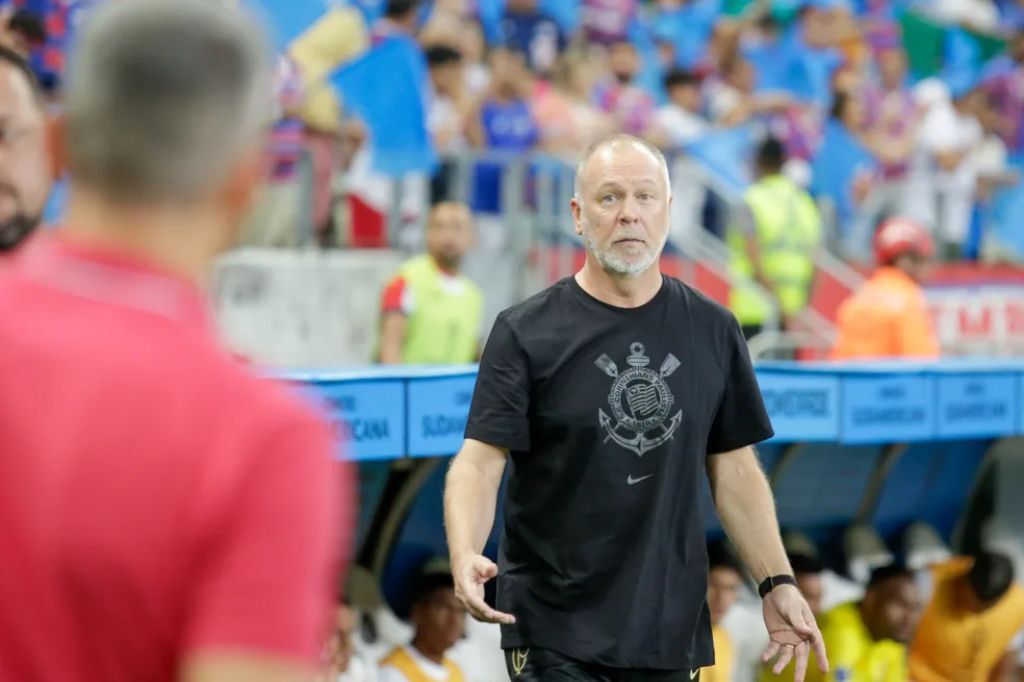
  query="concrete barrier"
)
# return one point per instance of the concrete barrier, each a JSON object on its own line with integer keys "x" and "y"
{"x": 302, "y": 308}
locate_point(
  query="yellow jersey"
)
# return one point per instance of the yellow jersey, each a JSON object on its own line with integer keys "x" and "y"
{"x": 954, "y": 646}
{"x": 401, "y": 660}
{"x": 853, "y": 655}
{"x": 725, "y": 654}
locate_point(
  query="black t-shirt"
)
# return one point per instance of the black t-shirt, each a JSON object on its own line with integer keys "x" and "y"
{"x": 608, "y": 414}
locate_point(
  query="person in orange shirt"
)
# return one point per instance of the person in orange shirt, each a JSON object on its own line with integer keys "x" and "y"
{"x": 889, "y": 317}
{"x": 975, "y": 613}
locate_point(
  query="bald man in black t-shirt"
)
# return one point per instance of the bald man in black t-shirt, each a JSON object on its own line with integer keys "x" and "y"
{"x": 608, "y": 397}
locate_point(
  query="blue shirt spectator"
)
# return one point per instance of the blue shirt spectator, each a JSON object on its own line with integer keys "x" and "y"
{"x": 842, "y": 168}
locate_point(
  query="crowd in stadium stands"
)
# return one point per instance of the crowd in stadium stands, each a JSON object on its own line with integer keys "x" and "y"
{"x": 868, "y": 136}
{"x": 829, "y": 78}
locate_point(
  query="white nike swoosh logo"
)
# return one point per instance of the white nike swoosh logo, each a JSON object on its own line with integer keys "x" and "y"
{"x": 633, "y": 481}
{"x": 694, "y": 673}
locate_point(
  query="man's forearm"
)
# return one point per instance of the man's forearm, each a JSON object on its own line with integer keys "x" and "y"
{"x": 392, "y": 338}
{"x": 747, "y": 510}
{"x": 470, "y": 497}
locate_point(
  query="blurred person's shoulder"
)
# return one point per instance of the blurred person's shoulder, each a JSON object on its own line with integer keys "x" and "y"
{"x": 118, "y": 328}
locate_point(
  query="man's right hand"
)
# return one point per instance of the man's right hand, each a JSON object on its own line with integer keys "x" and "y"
{"x": 470, "y": 572}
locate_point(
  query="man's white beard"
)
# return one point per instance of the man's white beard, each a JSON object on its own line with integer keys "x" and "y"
{"x": 617, "y": 265}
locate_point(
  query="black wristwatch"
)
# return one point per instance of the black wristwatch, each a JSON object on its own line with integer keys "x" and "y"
{"x": 771, "y": 582}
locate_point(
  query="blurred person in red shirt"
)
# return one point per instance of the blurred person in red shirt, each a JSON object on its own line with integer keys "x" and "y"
{"x": 25, "y": 173}
{"x": 165, "y": 515}
{"x": 889, "y": 316}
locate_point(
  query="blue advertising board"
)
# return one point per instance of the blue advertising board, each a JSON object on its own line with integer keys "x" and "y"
{"x": 977, "y": 405}
{"x": 438, "y": 407}
{"x": 885, "y": 408}
{"x": 369, "y": 415}
{"x": 387, "y": 413}
{"x": 802, "y": 407}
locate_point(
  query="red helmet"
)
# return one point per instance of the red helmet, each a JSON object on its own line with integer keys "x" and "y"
{"x": 898, "y": 236}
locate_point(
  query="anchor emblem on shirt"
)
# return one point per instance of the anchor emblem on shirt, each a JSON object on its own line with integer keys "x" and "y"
{"x": 640, "y": 402}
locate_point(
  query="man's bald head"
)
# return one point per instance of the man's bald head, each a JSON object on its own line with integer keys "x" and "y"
{"x": 611, "y": 144}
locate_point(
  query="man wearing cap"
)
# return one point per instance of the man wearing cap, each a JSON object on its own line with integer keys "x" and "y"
{"x": 889, "y": 317}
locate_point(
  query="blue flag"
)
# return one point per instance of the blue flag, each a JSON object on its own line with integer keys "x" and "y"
{"x": 566, "y": 13}
{"x": 840, "y": 158}
{"x": 387, "y": 89}
{"x": 491, "y": 12}
{"x": 1007, "y": 213}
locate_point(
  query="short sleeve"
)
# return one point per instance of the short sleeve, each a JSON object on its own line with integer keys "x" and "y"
{"x": 397, "y": 298}
{"x": 268, "y": 566}
{"x": 741, "y": 418}
{"x": 501, "y": 399}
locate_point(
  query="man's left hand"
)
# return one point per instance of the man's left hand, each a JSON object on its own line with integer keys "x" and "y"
{"x": 793, "y": 632}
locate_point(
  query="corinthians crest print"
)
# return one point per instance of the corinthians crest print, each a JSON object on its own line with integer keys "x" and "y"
{"x": 640, "y": 402}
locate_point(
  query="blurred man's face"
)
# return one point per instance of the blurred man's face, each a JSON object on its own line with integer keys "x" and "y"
{"x": 447, "y": 78}
{"x": 892, "y": 66}
{"x": 742, "y": 76}
{"x": 509, "y": 71}
{"x": 449, "y": 234}
{"x": 666, "y": 53}
{"x": 891, "y": 609}
{"x": 623, "y": 61}
{"x": 723, "y": 590}
{"x": 854, "y": 115}
{"x": 439, "y": 620}
{"x": 812, "y": 588}
{"x": 820, "y": 26}
{"x": 686, "y": 96}
{"x": 25, "y": 174}
{"x": 622, "y": 209}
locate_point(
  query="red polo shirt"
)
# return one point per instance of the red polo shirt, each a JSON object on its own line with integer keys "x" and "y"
{"x": 155, "y": 498}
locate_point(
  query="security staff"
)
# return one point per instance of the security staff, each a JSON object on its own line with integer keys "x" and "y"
{"x": 431, "y": 312}
{"x": 775, "y": 246}
{"x": 888, "y": 317}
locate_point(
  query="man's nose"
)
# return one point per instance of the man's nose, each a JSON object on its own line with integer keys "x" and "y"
{"x": 628, "y": 214}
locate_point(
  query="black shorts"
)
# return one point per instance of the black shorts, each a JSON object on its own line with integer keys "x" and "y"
{"x": 544, "y": 665}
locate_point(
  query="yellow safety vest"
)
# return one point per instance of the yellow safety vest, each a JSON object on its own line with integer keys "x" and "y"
{"x": 444, "y": 327}
{"x": 953, "y": 646}
{"x": 400, "y": 660}
{"x": 788, "y": 230}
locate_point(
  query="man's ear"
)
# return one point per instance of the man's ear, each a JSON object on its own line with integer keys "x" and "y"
{"x": 246, "y": 179}
{"x": 55, "y": 134}
{"x": 577, "y": 207}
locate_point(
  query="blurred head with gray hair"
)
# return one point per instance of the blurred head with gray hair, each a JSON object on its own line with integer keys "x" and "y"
{"x": 166, "y": 107}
